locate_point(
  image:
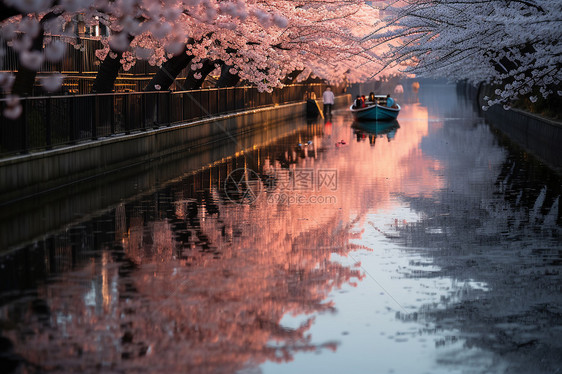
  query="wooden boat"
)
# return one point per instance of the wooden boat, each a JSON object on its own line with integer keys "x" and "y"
{"x": 375, "y": 111}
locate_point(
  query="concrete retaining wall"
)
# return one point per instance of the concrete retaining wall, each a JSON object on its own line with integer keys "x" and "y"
{"x": 28, "y": 220}
{"x": 27, "y": 175}
{"x": 537, "y": 135}
{"x": 34, "y": 173}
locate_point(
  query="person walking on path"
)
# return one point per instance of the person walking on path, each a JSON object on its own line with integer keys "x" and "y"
{"x": 328, "y": 98}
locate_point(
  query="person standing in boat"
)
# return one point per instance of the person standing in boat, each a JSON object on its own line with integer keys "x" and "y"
{"x": 329, "y": 98}
{"x": 390, "y": 102}
{"x": 358, "y": 103}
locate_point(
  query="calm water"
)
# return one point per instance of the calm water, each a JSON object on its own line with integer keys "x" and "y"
{"x": 429, "y": 245}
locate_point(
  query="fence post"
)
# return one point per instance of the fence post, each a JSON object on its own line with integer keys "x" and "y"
{"x": 217, "y": 101}
{"x": 71, "y": 127}
{"x": 143, "y": 111}
{"x": 48, "y": 127}
{"x": 169, "y": 108}
{"x": 226, "y": 104}
{"x": 95, "y": 122}
{"x": 23, "y": 143}
{"x": 240, "y": 103}
{"x": 209, "y": 92}
{"x": 158, "y": 113}
{"x": 126, "y": 120}
{"x": 112, "y": 115}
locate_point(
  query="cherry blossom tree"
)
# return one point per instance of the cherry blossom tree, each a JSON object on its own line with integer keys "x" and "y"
{"x": 514, "y": 45}
{"x": 197, "y": 74}
{"x": 258, "y": 41}
{"x": 262, "y": 42}
{"x": 511, "y": 44}
{"x": 23, "y": 26}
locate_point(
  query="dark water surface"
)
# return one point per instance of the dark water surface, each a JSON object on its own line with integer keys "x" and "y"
{"x": 428, "y": 245}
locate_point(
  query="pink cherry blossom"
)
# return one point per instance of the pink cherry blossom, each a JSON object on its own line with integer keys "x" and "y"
{"x": 12, "y": 112}
{"x": 31, "y": 59}
{"x": 119, "y": 42}
{"x": 55, "y": 51}
{"x": 6, "y": 81}
{"x": 52, "y": 82}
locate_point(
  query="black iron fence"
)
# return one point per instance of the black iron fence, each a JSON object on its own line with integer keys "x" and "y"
{"x": 51, "y": 121}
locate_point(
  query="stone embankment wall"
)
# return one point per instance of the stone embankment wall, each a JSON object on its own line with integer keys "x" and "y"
{"x": 30, "y": 174}
{"x": 537, "y": 135}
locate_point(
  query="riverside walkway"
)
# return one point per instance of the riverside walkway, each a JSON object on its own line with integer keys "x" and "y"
{"x": 51, "y": 121}
{"x": 64, "y": 140}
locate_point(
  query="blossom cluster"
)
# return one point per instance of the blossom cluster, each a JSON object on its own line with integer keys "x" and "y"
{"x": 264, "y": 41}
{"x": 514, "y": 45}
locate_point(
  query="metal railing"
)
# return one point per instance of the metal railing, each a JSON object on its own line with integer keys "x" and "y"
{"x": 51, "y": 121}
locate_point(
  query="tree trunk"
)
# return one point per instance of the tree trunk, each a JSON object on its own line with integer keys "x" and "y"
{"x": 168, "y": 72}
{"x": 24, "y": 82}
{"x": 108, "y": 72}
{"x": 227, "y": 79}
{"x": 191, "y": 83}
{"x": 25, "y": 78}
{"x": 290, "y": 78}
{"x": 109, "y": 69}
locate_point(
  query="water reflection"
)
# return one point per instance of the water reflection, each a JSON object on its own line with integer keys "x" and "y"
{"x": 185, "y": 280}
{"x": 497, "y": 221}
{"x": 372, "y": 130}
{"x": 414, "y": 248}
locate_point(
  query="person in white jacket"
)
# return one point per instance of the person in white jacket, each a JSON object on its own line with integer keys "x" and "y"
{"x": 328, "y": 98}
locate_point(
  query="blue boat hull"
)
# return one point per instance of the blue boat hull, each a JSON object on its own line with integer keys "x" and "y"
{"x": 375, "y": 113}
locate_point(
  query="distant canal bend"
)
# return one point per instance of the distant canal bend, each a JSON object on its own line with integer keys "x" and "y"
{"x": 426, "y": 245}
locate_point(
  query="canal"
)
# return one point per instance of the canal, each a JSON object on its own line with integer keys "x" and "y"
{"x": 427, "y": 245}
